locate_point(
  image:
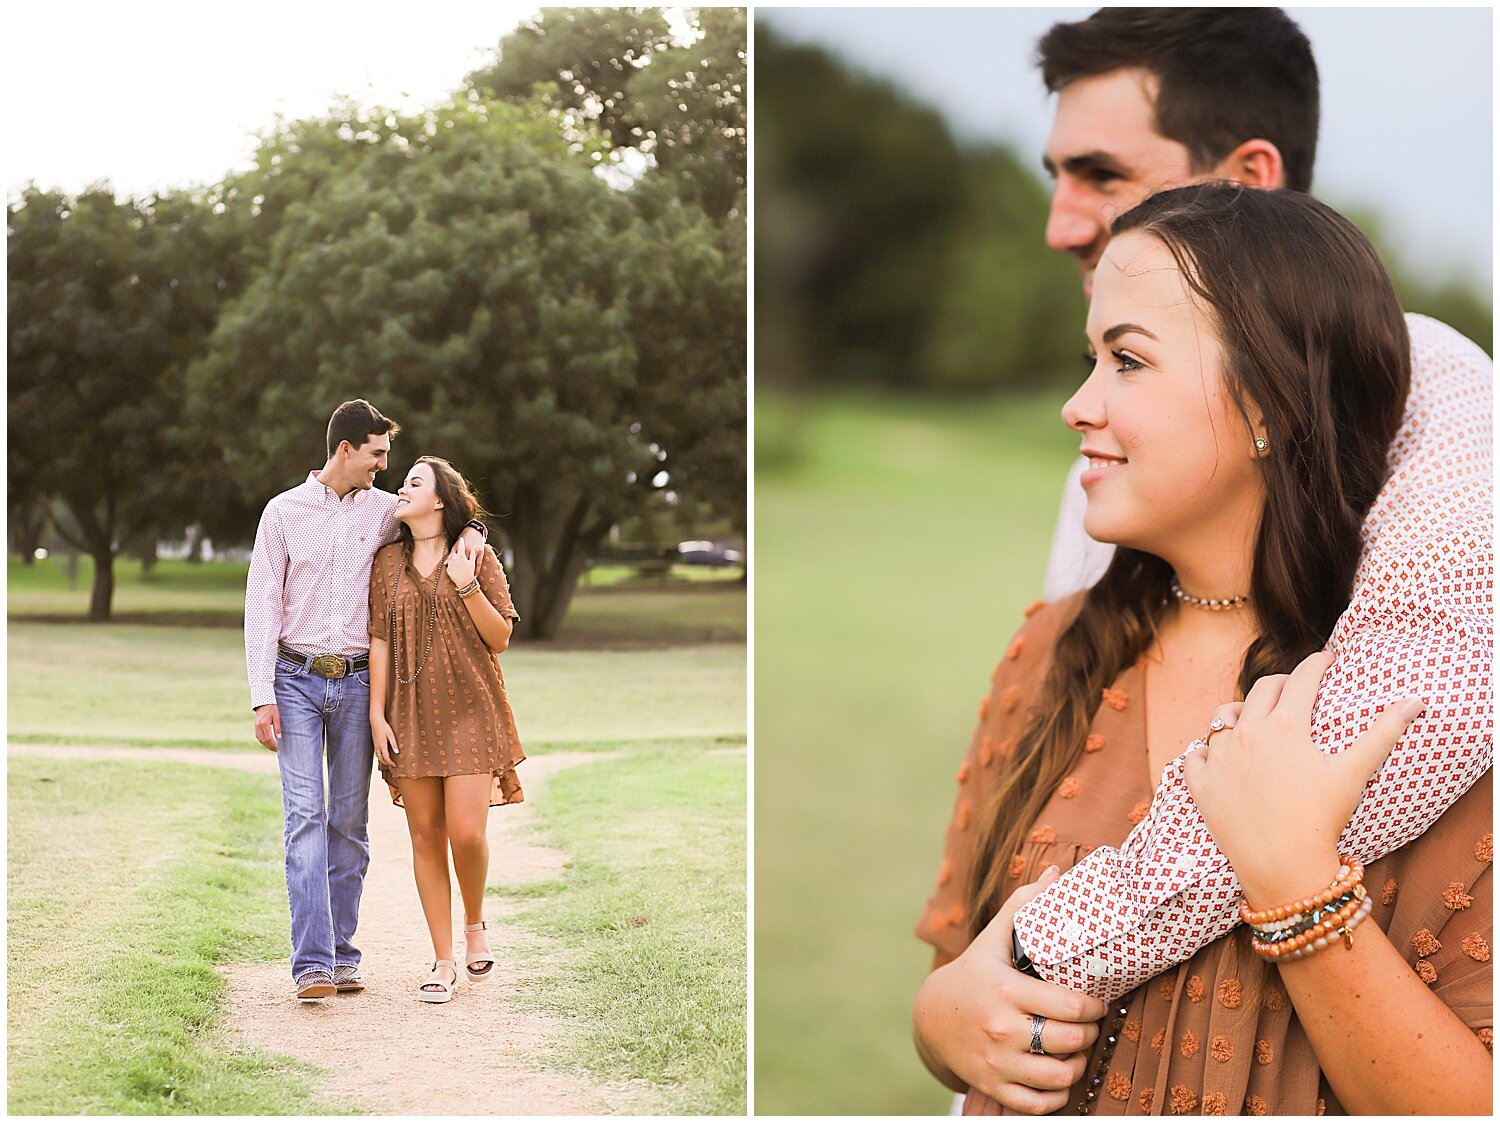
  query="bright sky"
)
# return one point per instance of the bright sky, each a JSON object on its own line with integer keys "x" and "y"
{"x": 1406, "y": 102}
{"x": 170, "y": 93}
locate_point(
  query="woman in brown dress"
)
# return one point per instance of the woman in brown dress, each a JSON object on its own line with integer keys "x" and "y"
{"x": 443, "y": 730}
{"x": 1251, "y": 371}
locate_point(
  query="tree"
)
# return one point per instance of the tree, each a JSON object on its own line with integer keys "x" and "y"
{"x": 107, "y": 302}
{"x": 477, "y": 282}
{"x": 1010, "y": 313}
{"x": 618, "y": 81}
{"x": 857, "y": 190}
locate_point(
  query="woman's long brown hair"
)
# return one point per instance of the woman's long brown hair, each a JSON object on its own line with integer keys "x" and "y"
{"x": 1313, "y": 339}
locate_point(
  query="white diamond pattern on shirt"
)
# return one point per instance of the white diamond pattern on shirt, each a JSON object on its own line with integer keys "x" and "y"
{"x": 1419, "y": 623}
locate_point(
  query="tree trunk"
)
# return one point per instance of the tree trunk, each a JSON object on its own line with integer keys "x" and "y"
{"x": 558, "y": 587}
{"x": 103, "y": 593}
{"x": 148, "y": 554}
{"x": 30, "y": 522}
{"x": 550, "y": 549}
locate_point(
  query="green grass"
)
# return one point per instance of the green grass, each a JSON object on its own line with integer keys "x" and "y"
{"x": 610, "y": 609}
{"x": 127, "y": 884}
{"x": 131, "y": 684}
{"x": 649, "y": 918}
{"x": 895, "y": 548}
{"x": 164, "y": 871}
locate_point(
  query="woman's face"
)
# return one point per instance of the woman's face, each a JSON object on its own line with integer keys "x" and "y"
{"x": 1172, "y": 463}
{"x": 418, "y": 495}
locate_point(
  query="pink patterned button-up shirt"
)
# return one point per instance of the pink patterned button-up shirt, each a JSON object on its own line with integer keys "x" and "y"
{"x": 309, "y": 583}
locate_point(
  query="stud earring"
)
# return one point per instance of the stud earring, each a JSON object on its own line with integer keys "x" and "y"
{"x": 1261, "y": 444}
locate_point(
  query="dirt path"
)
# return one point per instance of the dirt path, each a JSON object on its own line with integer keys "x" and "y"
{"x": 382, "y": 1049}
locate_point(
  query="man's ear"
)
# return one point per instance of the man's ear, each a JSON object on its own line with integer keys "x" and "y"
{"x": 1255, "y": 163}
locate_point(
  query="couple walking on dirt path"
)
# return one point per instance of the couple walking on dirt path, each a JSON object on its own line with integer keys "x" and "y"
{"x": 372, "y": 625}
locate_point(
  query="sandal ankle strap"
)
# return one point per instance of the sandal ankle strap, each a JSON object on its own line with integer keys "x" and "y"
{"x": 480, "y": 927}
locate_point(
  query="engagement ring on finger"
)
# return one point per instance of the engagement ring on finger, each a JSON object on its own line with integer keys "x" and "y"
{"x": 1037, "y": 1022}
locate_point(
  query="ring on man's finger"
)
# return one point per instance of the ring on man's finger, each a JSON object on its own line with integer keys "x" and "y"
{"x": 1037, "y": 1022}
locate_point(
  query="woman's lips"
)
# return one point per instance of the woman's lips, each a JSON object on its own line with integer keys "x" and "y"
{"x": 1100, "y": 467}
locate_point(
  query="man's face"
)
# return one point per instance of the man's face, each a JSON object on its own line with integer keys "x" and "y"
{"x": 1105, "y": 156}
{"x": 368, "y": 459}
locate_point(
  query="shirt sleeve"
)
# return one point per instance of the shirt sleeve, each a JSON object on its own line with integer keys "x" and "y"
{"x": 380, "y": 602}
{"x": 496, "y": 588}
{"x": 265, "y": 590}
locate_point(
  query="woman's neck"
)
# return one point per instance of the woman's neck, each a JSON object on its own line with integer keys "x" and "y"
{"x": 428, "y": 540}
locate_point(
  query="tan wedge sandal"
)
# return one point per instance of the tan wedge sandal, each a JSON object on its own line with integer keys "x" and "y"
{"x": 486, "y": 958}
{"x": 435, "y": 988}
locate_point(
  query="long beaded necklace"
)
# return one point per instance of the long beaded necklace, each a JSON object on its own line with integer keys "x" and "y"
{"x": 437, "y": 576}
{"x": 1101, "y": 1065}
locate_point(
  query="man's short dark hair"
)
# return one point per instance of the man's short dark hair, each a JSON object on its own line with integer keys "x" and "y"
{"x": 1227, "y": 75}
{"x": 356, "y": 422}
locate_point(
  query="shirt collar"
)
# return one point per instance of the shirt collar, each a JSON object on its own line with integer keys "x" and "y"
{"x": 326, "y": 493}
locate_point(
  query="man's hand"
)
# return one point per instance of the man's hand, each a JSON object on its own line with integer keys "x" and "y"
{"x": 268, "y": 726}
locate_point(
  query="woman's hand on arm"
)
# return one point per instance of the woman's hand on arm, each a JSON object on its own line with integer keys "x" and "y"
{"x": 1276, "y": 806}
{"x": 972, "y": 1022}
{"x": 1274, "y": 803}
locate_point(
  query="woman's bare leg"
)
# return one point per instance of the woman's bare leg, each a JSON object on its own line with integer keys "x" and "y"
{"x": 427, "y": 822}
{"x": 467, "y": 806}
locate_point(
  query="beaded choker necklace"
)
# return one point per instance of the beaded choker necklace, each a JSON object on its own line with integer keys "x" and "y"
{"x": 1212, "y": 604}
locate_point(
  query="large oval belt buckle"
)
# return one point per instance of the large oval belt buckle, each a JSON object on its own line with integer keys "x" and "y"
{"x": 329, "y": 666}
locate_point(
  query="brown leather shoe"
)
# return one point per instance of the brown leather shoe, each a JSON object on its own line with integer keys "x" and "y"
{"x": 316, "y": 983}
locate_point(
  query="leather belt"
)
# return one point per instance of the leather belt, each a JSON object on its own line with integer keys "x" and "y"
{"x": 329, "y": 666}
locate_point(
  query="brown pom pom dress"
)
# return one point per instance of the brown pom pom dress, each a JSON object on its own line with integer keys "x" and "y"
{"x": 454, "y": 719}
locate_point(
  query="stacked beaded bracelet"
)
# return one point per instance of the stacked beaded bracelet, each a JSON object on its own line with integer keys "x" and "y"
{"x": 1300, "y": 928}
{"x": 470, "y": 589}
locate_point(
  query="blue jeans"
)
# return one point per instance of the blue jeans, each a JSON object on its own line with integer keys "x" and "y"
{"x": 327, "y": 843}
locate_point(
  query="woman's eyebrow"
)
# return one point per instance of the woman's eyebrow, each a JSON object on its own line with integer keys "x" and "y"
{"x": 1118, "y": 330}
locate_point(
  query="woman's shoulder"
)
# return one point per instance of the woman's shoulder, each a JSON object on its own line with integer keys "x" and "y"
{"x": 1043, "y": 621}
{"x": 388, "y": 555}
{"x": 1028, "y": 655}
